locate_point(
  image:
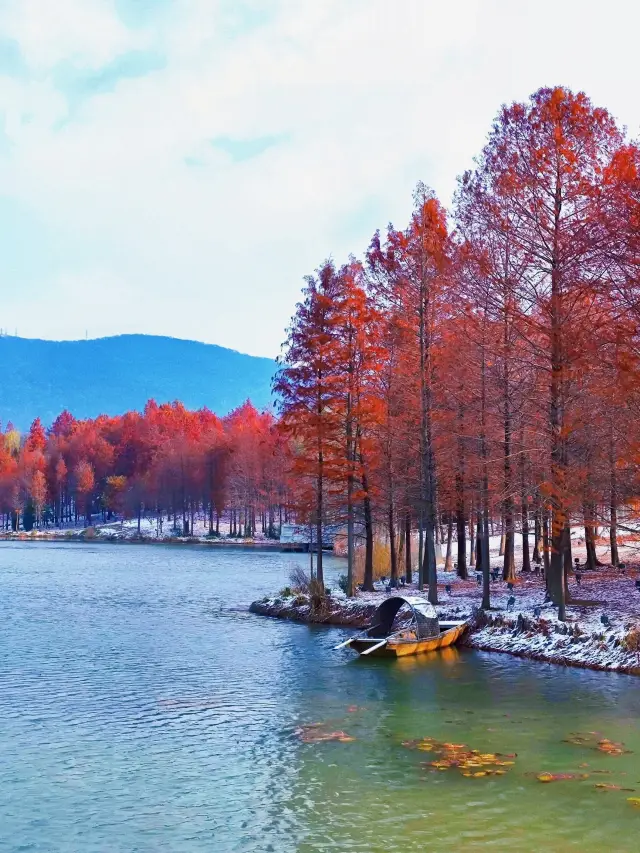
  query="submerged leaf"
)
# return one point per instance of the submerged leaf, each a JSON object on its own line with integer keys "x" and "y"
{"x": 560, "y": 777}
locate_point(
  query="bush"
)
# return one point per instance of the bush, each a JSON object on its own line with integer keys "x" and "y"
{"x": 299, "y": 580}
{"x": 631, "y": 640}
{"x": 343, "y": 583}
{"x": 285, "y": 592}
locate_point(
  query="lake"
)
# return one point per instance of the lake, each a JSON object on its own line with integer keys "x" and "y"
{"x": 144, "y": 710}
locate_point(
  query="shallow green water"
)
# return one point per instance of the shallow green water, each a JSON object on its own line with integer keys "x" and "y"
{"x": 143, "y": 709}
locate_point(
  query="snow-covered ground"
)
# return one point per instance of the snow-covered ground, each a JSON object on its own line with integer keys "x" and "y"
{"x": 150, "y": 528}
{"x": 603, "y": 636}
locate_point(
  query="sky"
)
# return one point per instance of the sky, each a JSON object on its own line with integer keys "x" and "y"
{"x": 176, "y": 167}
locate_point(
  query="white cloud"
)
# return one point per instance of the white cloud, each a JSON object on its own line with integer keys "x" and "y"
{"x": 368, "y": 97}
{"x": 86, "y": 31}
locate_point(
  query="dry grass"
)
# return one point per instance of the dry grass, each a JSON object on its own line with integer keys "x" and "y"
{"x": 381, "y": 560}
{"x": 631, "y": 641}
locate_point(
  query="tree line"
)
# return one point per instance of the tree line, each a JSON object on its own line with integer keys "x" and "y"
{"x": 166, "y": 461}
{"x": 480, "y": 365}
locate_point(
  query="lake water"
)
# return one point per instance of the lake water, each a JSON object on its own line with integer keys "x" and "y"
{"x": 144, "y": 710}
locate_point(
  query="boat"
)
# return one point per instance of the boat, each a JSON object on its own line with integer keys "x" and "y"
{"x": 405, "y": 626}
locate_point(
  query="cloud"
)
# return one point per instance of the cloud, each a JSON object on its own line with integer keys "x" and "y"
{"x": 11, "y": 59}
{"x": 86, "y": 31}
{"x": 77, "y": 83}
{"x": 141, "y": 13}
{"x": 245, "y": 149}
{"x": 183, "y": 164}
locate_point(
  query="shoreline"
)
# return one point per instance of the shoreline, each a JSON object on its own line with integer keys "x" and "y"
{"x": 583, "y": 641}
{"x": 81, "y": 537}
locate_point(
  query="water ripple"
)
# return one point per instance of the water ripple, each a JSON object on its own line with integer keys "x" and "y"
{"x": 144, "y": 709}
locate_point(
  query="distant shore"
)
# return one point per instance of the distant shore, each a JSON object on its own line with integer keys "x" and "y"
{"x": 84, "y": 536}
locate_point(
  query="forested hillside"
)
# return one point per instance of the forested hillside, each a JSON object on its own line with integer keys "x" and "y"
{"x": 118, "y": 374}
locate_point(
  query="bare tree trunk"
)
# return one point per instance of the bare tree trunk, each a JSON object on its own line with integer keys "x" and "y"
{"x": 351, "y": 458}
{"x": 537, "y": 538}
{"x": 546, "y": 544}
{"x": 420, "y": 549}
{"x": 483, "y": 509}
{"x": 407, "y": 547}
{"x": 613, "y": 499}
{"x": 556, "y": 582}
{"x": 319, "y": 514}
{"x": 613, "y": 531}
{"x": 392, "y": 543}
{"x": 507, "y": 543}
{"x": 461, "y": 566}
{"x": 426, "y": 451}
{"x": 524, "y": 508}
{"x": 368, "y": 534}
{"x": 448, "y": 563}
{"x": 486, "y": 565}
{"x": 350, "y": 537}
{"x": 462, "y": 545}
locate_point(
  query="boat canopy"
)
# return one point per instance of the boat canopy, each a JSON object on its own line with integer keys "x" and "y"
{"x": 424, "y": 619}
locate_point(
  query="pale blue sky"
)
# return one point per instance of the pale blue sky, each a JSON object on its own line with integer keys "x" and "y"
{"x": 177, "y": 166}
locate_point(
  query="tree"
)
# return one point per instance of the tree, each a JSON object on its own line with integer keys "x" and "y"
{"x": 408, "y": 275}
{"x": 544, "y": 168}
{"x": 38, "y": 494}
{"x": 85, "y": 483}
{"x": 307, "y": 386}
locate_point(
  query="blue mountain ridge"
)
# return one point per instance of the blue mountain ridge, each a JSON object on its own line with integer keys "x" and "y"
{"x": 117, "y": 374}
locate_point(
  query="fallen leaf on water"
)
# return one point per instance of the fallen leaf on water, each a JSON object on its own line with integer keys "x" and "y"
{"x": 590, "y": 740}
{"x": 468, "y": 762}
{"x": 560, "y": 777}
{"x": 635, "y": 801}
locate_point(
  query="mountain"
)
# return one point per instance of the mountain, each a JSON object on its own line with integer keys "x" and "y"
{"x": 114, "y": 375}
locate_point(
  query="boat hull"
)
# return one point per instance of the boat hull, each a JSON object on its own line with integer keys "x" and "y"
{"x": 400, "y": 648}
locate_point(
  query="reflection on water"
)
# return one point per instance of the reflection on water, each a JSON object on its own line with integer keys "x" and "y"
{"x": 143, "y": 709}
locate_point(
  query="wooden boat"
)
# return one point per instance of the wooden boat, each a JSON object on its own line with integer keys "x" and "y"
{"x": 405, "y": 626}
